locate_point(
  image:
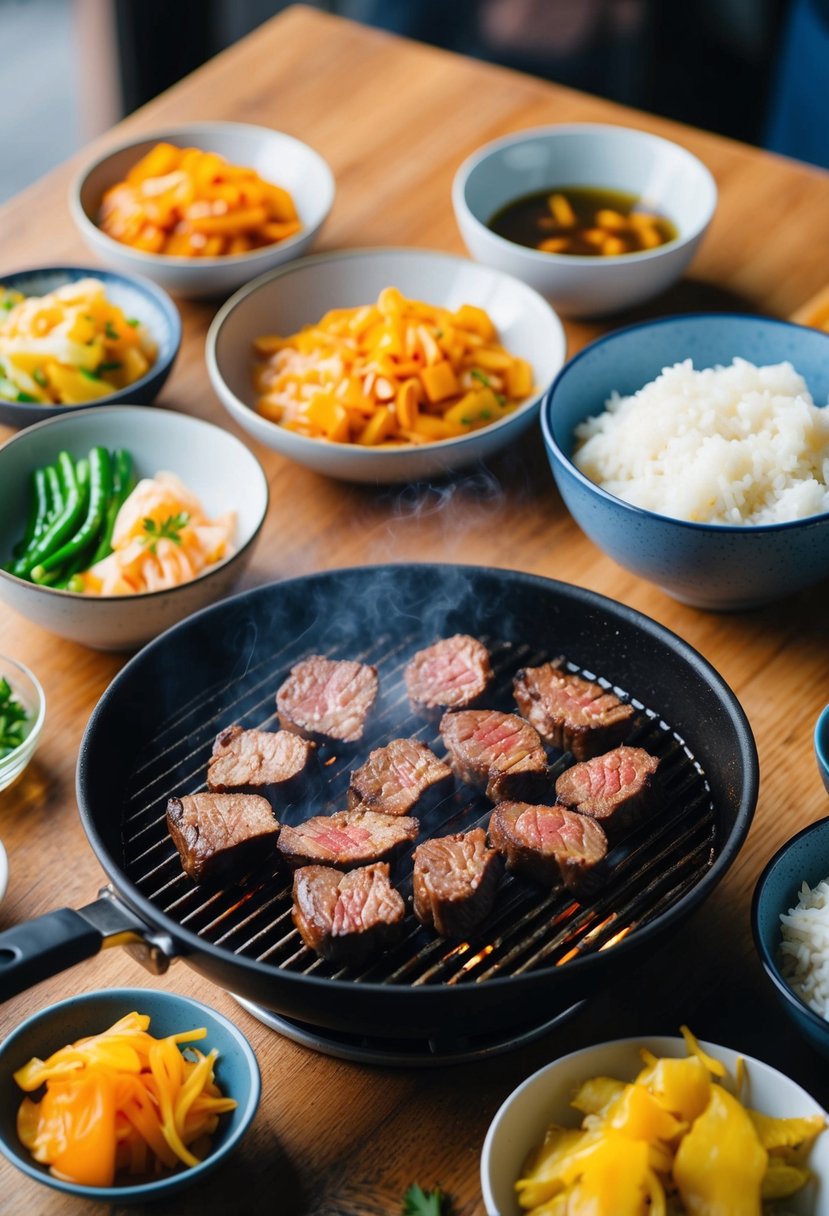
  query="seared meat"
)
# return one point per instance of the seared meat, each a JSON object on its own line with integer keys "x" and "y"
{"x": 497, "y": 752}
{"x": 349, "y": 838}
{"x": 548, "y": 842}
{"x": 217, "y": 832}
{"x": 346, "y": 917}
{"x": 449, "y": 675}
{"x": 253, "y": 759}
{"x": 570, "y": 712}
{"x": 395, "y": 776}
{"x": 455, "y": 880}
{"x": 330, "y": 698}
{"x": 616, "y": 788}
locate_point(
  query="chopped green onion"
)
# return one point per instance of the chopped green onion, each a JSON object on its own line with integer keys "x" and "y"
{"x": 111, "y": 332}
{"x": 133, "y": 321}
{"x": 40, "y": 378}
{"x": 476, "y": 374}
{"x": 26, "y": 398}
{"x": 108, "y": 367}
{"x": 89, "y": 375}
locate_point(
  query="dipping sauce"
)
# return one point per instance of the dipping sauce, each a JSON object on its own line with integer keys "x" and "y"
{"x": 582, "y": 220}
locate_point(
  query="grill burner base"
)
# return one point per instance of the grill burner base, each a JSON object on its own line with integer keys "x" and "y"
{"x": 405, "y": 1053}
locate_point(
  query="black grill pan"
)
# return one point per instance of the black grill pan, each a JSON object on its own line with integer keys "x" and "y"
{"x": 152, "y": 732}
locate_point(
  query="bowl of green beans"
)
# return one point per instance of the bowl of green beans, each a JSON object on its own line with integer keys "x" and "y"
{"x": 63, "y": 483}
{"x": 22, "y": 710}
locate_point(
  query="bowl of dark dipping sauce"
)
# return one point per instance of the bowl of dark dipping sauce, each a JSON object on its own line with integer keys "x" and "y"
{"x": 596, "y": 218}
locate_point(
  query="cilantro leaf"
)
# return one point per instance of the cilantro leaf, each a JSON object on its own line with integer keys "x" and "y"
{"x": 477, "y": 374}
{"x": 417, "y": 1202}
{"x": 169, "y": 529}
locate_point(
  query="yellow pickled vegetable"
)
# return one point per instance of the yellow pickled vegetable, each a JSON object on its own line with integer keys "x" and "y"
{"x": 120, "y": 1101}
{"x": 69, "y": 346}
{"x": 395, "y": 372}
{"x": 675, "y": 1140}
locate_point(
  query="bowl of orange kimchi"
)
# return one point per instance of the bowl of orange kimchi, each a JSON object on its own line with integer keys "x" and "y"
{"x": 385, "y": 365}
{"x": 118, "y": 521}
{"x": 125, "y": 1095}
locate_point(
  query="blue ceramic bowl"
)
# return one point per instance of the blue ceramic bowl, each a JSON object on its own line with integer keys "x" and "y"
{"x": 822, "y": 746}
{"x": 237, "y": 1074}
{"x": 804, "y": 858}
{"x": 714, "y": 566}
{"x": 138, "y": 298}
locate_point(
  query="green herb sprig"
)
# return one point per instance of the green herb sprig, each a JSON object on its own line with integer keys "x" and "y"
{"x": 168, "y": 529}
{"x": 417, "y": 1202}
{"x": 13, "y": 719}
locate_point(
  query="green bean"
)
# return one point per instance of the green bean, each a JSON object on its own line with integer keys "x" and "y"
{"x": 38, "y": 511}
{"x": 123, "y": 482}
{"x": 55, "y": 491}
{"x": 100, "y": 491}
{"x": 62, "y": 526}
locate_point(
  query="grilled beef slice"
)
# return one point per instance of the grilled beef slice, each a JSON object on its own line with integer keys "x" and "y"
{"x": 497, "y": 752}
{"x": 346, "y": 917}
{"x": 271, "y": 761}
{"x": 395, "y": 777}
{"x": 455, "y": 881}
{"x": 616, "y": 789}
{"x": 327, "y": 698}
{"x": 546, "y": 843}
{"x": 347, "y": 839}
{"x": 570, "y": 712}
{"x": 217, "y": 832}
{"x": 452, "y": 674}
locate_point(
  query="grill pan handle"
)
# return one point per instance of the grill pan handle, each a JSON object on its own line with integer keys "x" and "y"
{"x": 43, "y": 947}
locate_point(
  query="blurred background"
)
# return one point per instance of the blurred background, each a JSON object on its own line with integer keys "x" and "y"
{"x": 757, "y": 70}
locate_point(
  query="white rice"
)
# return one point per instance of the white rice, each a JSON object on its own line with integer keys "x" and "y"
{"x": 727, "y": 445}
{"x": 804, "y": 953}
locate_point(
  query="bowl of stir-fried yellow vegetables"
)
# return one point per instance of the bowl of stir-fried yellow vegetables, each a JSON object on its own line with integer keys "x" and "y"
{"x": 72, "y": 337}
{"x": 657, "y": 1127}
{"x": 385, "y": 365}
{"x": 125, "y": 1095}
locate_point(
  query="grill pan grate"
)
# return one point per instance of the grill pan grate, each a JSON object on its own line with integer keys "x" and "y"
{"x": 529, "y": 929}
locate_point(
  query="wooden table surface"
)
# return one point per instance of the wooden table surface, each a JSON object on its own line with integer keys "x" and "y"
{"x": 394, "y": 120}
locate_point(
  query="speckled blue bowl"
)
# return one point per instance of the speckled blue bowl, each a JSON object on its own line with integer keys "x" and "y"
{"x": 237, "y": 1074}
{"x": 138, "y": 298}
{"x": 804, "y": 858}
{"x": 822, "y": 746}
{"x": 713, "y": 566}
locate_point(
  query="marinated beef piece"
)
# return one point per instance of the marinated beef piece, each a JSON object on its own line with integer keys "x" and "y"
{"x": 570, "y": 712}
{"x": 329, "y": 698}
{"x": 346, "y": 917}
{"x": 548, "y": 842}
{"x": 349, "y": 838}
{"x": 452, "y": 674}
{"x": 395, "y": 777}
{"x": 254, "y": 759}
{"x": 616, "y": 789}
{"x": 497, "y": 752}
{"x": 217, "y": 832}
{"x": 455, "y": 881}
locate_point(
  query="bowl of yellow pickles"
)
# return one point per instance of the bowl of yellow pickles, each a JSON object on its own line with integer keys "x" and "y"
{"x": 657, "y": 1127}
{"x": 73, "y": 337}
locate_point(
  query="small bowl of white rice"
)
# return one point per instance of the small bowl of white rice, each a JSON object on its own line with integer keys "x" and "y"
{"x": 790, "y": 922}
{"x": 694, "y": 450}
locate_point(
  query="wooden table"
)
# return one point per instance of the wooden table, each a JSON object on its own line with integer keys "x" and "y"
{"x": 394, "y": 120}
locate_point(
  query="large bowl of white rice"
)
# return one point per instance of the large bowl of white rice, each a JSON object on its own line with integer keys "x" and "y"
{"x": 694, "y": 450}
{"x": 790, "y": 922}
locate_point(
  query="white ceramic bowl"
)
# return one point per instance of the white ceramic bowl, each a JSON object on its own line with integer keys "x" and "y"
{"x": 296, "y": 295}
{"x": 544, "y": 1098}
{"x": 276, "y": 157}
{"x": 665, "y": 176}
{"x": 220, "y": 470}
{"x": 27, "y": 690}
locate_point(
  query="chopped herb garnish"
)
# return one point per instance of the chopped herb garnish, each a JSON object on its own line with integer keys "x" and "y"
{"x": 13, "y": 719}
{"x": 486, "y": 415}
{"x": 111, "y": 332}
{"x": 500, "y": 398}
{"x": 133, "y": 321}
{"x": 169, "y": 529}
{"x": 26, "y": 399}
{"x": 466, "y": 422}
{"x": 417, "y": 1202}
{"x": 39, "y": 377}
{"x": 438, "y": 333}
{"x": 477, "y": 374}
{"x": 89, "y": 375}
{"x": 108, "y": 367}
{"x": 8, "y": 303}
